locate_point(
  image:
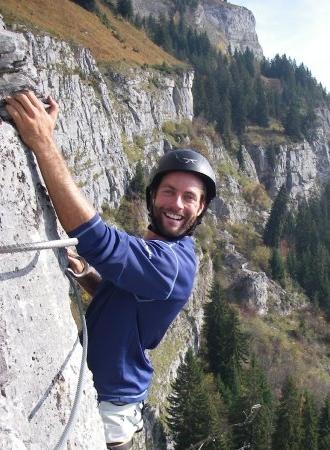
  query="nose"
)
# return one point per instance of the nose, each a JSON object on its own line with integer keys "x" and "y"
{"x": 179, "y": 201}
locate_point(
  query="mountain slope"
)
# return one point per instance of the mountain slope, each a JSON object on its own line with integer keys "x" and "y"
{"x": 116, "y": 41}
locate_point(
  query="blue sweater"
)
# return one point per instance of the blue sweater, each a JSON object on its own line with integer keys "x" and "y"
{"x": 144, "y": 286}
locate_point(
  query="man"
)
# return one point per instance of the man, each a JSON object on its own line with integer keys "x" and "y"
{"x": 139, "y": 285}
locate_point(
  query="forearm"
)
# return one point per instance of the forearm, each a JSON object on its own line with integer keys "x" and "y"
{"x": 71, "y": 206}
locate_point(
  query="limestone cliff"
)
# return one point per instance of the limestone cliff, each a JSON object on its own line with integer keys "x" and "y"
{"x": 102, "y": 116}
{"x": 302, "y": 167}
{"x": 226, "y": 24}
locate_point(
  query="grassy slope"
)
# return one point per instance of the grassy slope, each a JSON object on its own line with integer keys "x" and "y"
{"x": 68, "y": 21}
{"x": 297, "y": 344}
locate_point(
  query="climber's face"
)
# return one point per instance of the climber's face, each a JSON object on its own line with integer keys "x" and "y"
{"x": 178, "y": 201}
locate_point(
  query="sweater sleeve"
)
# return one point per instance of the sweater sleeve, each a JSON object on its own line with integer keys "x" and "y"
{"x": 148, "y": 269}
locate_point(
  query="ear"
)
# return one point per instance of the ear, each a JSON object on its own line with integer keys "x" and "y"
{"x": 201, "y": 206}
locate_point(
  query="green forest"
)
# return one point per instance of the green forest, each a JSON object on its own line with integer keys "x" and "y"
{"x": 235, "y": 89}
{"x": 305, "y": 234}
{"x": 222, "y": 399}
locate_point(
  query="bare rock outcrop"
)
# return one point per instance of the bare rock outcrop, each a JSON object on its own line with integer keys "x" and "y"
{"x": 302, "y": 167}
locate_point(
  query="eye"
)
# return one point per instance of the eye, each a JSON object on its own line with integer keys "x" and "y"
{"x": 167, "y": 191}
{"x": 190, "y": 197}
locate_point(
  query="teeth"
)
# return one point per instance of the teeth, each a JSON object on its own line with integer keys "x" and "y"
{"x": 173, "y": 216}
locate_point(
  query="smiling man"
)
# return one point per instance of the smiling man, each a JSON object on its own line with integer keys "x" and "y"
{"x": 138, "y": 285}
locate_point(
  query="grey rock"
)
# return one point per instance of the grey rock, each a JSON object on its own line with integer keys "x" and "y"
{"x": 13, "y": 51}
{"x": 302, "y": 167}
{"x": 252, "y": 290}
{"x": 323, "y": 115}
{"x": 258, "y": 293}
{"x": 16, "y": 71}
{"x": 249, "y": 167}
{"x": 235, "y": 25}
{"x": 225, "y": 24}
{"x": 95, "y": 126}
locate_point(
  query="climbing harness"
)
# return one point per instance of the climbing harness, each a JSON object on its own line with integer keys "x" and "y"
{"x": 15, "y": 248}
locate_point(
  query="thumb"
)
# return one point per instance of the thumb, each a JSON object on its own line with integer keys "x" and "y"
{"x": 53, "y": 108}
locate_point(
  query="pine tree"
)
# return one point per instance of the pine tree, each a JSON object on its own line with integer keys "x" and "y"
{"x": 288, "y": 431}
{"x": 224, "y": 120}
{"x": 255, "y": 390}
{"x": 163, "y": 37}
{"x": 261, "y": 107}
{"x": 277, "y": 267}
{"x": 137, "y": 186}
{"x": 293, "y": 122}
{"x": 226, "y": 344}
{"x": 276, "y": 221}
{"x": 309, "y": 256}
{"x": 189, "y": 411}
{"x": 124, "y": 8}
{"x": 238, "y": 109}
{"x": 90, "y": 5}
{"x": 310, "y": 423}
{"x": 324, "y": 426}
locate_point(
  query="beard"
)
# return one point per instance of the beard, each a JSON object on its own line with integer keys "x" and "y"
{"x": 161, "y": 217}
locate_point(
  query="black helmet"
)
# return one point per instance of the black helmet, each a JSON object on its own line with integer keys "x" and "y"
{"x": 183, "y": 160}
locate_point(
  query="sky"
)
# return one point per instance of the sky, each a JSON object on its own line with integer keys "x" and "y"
{"x": 298, "y": 28}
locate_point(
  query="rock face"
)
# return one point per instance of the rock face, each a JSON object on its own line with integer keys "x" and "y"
{"x": 225, "y": 24}
{"x": 228, "y": 25}
{"x": 302, "y": 167}
{"x": 103, "y": 119}
{"x": 257, "y": 292}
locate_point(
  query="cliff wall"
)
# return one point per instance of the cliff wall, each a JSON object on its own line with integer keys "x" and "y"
{"x": 225, "y": 24}
{"x": 102, "y": 115}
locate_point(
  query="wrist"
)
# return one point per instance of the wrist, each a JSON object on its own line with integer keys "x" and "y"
{"x": 44, "y": 148}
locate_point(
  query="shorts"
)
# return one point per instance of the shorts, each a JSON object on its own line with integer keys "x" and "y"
{"x": 121, "y": 421}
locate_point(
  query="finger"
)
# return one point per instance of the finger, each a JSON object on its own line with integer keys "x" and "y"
{"x": 24, "y": 100}
{"x": 34, "y": 100}
{"x": 13, "y": 114}
{"x": 14, "y": 108}
{"x": 53, "y": 109}
{"x": 71, "y": 252}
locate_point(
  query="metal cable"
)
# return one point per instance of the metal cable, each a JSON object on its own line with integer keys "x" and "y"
{"x": 73, "y": 415}
{"x": 15, "y": 248}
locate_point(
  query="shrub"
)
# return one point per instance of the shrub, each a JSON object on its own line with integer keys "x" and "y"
{"x": 246, "y": 238}
{"x": 260, "y": 257}
{"x": 256, "y": 195}
{"x": 178, "y": 132}
{"x": 206, "y": 237}
{"x": 131, "y": 216}
{"x": 133, "y": 150}
{"x": 227, "y": 169}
